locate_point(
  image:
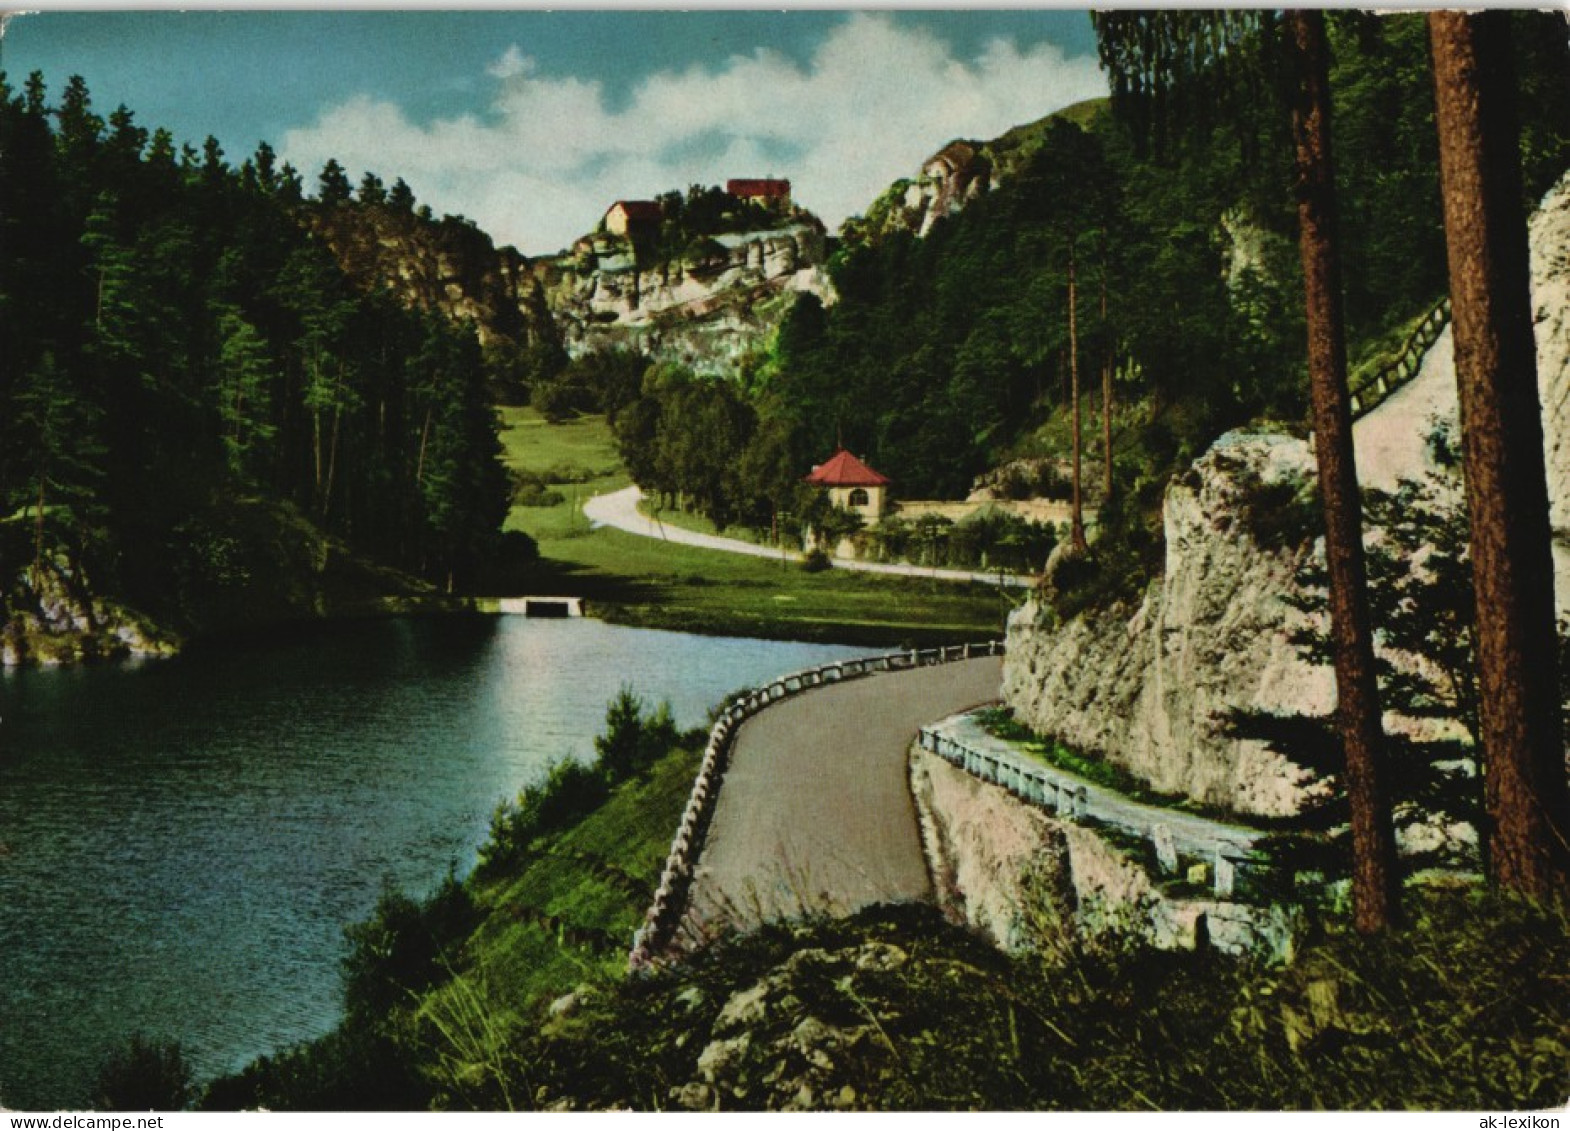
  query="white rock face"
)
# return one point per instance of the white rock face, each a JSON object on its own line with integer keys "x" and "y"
{"x": 1392, "y": 442}
{"x": 1150, "y": 690}
{"x": 703, "y": 313}
{"x": 1550, "y": 236}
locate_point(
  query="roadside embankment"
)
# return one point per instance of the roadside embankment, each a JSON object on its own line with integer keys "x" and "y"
{"x": 1023, "y": 852}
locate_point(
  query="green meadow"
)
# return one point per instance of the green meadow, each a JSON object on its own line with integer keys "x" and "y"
{"x": 643, "y": 581}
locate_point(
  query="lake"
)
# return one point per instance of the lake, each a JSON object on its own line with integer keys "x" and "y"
{"x": 183, "y": 841}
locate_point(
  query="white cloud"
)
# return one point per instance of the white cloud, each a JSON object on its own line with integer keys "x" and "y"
{"x": 549, "y": 156}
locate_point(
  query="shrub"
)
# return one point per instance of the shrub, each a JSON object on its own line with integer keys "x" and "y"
{"x": 570, "y": 790}
{"x": 817, "y": 560}
{"x": 632, "y": 741}
{"x": 530, "y": 489}
{"x": 405, "y": 947}
{"x": 144, "y": 1075}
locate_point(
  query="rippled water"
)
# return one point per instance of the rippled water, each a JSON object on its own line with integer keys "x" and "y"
{"x": 182, "y": 842}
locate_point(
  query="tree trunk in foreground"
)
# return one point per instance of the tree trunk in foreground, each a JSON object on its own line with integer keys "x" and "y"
{"x": 1374, "y": 878}
{"x": 1502, "y": 442}
{"x": 1077, "y": 526}
{"x": 1106, "y": 387}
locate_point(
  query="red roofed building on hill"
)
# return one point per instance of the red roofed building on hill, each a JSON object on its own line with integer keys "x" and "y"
{"x": 852, "y": 485}
{"x": 632, "y": 216}
{"x": 760, "y": 191}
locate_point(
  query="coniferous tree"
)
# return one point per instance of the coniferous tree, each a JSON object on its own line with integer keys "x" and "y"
{"x": 1151, "y": 54}
{"x": 333, "y": 184}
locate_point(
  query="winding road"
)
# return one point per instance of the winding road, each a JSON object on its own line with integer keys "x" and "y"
{"x": 619, "y": 510}
{"x": 815, "y": 814}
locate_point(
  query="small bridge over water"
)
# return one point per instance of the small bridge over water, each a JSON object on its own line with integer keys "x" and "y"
{"x": 533, "y": 606}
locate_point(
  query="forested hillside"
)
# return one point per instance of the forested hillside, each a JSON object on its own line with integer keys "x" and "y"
{"x": 946, "y": 355}
{"x": 202, "y": 354}
{"x": 193, "y": 397}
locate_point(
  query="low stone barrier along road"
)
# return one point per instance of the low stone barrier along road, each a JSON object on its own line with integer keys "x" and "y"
{"x": 815, "y": 814}
{"x": 619, "y": 510}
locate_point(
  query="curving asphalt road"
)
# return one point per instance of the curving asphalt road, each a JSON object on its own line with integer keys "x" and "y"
{"x": 619, "y": 510}
{"x": 815, "y": 813}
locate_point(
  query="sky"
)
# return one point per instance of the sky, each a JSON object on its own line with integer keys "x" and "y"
{"x": 531, "y": 123}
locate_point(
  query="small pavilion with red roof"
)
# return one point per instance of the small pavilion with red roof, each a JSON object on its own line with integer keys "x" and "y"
{"x": 852, "y": 485}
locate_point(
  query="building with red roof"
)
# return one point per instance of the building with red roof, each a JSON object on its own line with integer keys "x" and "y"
{"x": 852, "y": 485}
{"x": 759, "y": 190}
{"x": 629, "y": 215}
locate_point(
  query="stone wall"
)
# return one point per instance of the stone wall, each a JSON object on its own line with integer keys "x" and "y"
{"x": 1020, "y": 876}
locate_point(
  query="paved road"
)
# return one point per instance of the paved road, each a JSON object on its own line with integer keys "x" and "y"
{"x": 815, "y": 812}
{"x": 619, "y": 509}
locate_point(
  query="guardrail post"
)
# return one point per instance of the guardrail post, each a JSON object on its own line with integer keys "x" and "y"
{"x": 1226, "y": 874}
{"x": 1166, "y": 848}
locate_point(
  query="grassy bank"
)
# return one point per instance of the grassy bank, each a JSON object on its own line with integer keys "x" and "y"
{"x": 440, "y": 996}
{"x": 642, "y": 581}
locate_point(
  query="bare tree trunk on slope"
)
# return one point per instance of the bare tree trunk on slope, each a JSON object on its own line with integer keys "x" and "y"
{"x": 1502, "y": 441}
{"x": 1374, "y": 877}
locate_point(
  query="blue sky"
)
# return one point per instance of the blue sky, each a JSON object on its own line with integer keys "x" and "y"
{"x": 532, "y": 122}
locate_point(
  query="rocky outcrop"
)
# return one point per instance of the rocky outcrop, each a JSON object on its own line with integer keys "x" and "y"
{"x": 956, "y": 176}
{"x": 703, "y": 309}
{"x": 1550, "y": 240}
{"x": 447, "y": 266}
{"x": 768, "y": 1050}
{"x": 56, "y": 618}
{"x": 950, "y": 179}
{"x": 1152, "y": 690}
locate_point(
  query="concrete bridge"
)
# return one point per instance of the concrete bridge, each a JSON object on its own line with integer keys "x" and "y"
{"x": 538, "y": 606}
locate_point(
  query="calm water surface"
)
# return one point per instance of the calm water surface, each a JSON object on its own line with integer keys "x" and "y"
{"x": 182, "y": 842}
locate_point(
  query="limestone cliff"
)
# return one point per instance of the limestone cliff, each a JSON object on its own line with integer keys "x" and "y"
{"x": 1150, "y": 687}
{"x": 704, "y": 308}
{"x": 1550, "y": 237}
{"x": 950, "y": 179}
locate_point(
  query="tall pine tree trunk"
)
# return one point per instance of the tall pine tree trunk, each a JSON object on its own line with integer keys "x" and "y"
{"x": 1078, "y": 524}
{"x": 425, "y": 435}
{"x": 1374, "y": 877}
{"x": 1106, "y": 386}
{"x": 316, "y": 448}
{"x": 1502, "y": 442}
